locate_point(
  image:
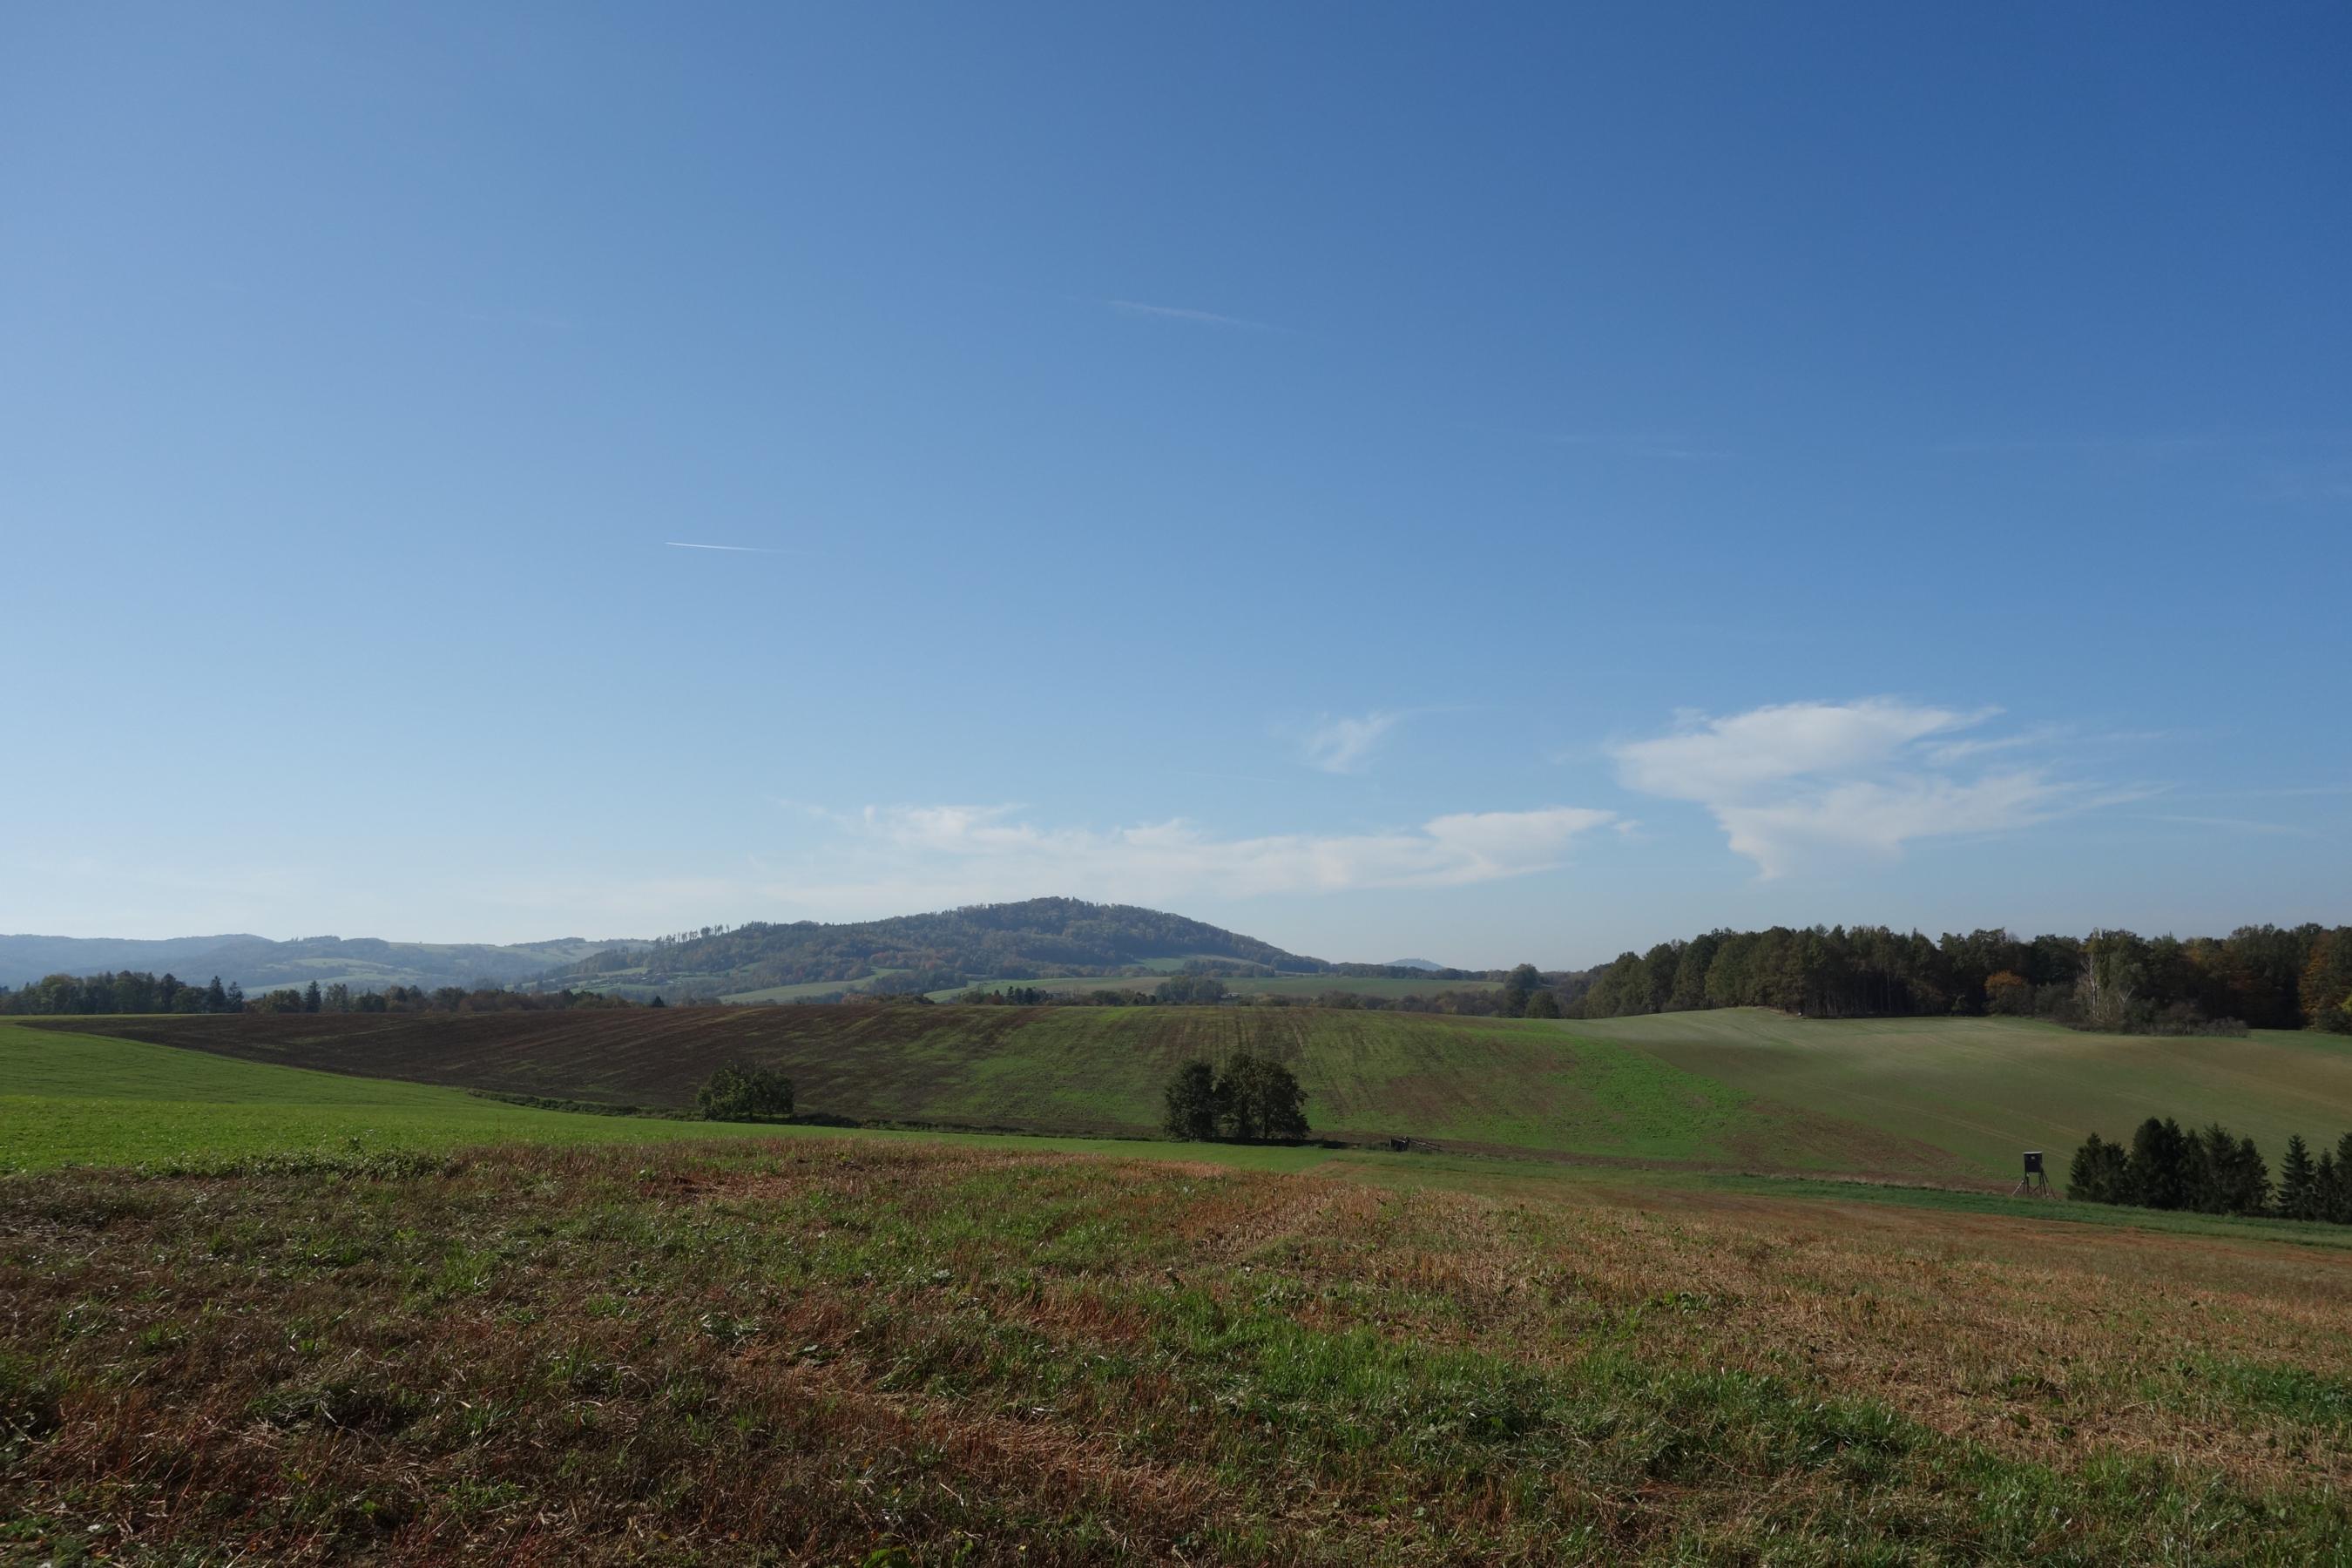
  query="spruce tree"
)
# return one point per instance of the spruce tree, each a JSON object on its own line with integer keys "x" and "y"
{"x": 2155, "y": 1161}
{"x": 2097, "y": 1173}
{"x": 2298, "y": 1180}
{"x": 2250, "y": 1193}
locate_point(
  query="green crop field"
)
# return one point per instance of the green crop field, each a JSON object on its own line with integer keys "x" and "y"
{"x": 1312, "y": 985}
{"x": 74, "y": 1098}
{"x": 1304, "y": 987}
{"x": 1985, "y": 1088}
{"x": 87, "y": 1100}
{"x": 1948, "y": 1101}
{"x": 803, "y": 990}
{"x": 1479, "y": 1084}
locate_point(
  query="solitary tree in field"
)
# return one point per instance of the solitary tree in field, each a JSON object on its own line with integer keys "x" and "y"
{"x": 739, "y": 1093}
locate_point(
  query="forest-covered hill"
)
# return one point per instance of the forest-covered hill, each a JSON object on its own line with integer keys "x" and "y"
{"x": 1034, "y": 939}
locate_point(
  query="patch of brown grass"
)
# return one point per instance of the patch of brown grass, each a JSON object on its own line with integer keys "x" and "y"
{"x": 791, "y": 1352}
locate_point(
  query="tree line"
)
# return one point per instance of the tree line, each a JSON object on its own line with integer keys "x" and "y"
{"x": 131, "y": 991}
{"x": 2268, "y": 977}
{"x": 2207, "y": 1171}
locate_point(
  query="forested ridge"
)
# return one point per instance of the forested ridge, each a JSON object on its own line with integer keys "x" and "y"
{"x": 2259, "y": 976}
{"x": 1034, "y": 939}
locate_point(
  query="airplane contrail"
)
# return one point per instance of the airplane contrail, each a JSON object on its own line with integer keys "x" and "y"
{"x": 741, "y": 548}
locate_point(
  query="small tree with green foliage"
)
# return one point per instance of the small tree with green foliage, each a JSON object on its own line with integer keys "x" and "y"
{"x": 1544, "y": 1004}
{"x": 1517, "y": 986}
{"x": 739, "y": 1093}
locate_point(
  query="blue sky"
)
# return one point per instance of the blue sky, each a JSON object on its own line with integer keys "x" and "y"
{"x": 1519, "y": 482}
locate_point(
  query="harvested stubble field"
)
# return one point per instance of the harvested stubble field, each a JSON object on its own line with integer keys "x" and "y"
{"x": 797, "y": 1352}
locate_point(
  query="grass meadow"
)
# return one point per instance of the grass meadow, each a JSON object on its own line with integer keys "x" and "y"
{"x": 1983, "y": 1088}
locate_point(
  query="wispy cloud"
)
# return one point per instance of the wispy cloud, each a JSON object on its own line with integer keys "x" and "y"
{"x": 1205, "y": 317}
{"x": 994, "y": 852}
{"x": 1343, "y": 745}
{"x": 2235, "y": 825}
{"x": 1679, "y": 449}
{"x": 733, "y": 549}
{"x": 886, "y": 860}
{"x": 1797, "y": 784}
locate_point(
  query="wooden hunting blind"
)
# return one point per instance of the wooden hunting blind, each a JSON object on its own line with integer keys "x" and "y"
{"x": 2035, "y": 1183}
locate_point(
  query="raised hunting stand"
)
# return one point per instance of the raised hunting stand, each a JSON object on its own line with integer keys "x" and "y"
{"x": 2034, "y": 1184}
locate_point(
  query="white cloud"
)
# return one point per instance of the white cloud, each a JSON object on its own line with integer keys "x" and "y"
{"x": 1342, "y": 745}
{"x": 1800, "y": 782}
{"x": 989, "y": 852}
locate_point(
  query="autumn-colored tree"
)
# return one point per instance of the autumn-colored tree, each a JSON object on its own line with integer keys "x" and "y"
{"x": 2326, "y": 988}
{"x": 2008, "y": 992}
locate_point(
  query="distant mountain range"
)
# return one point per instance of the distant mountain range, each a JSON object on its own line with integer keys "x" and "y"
{"x": 364, "y": 963}
{"x": 1039, "y": 939}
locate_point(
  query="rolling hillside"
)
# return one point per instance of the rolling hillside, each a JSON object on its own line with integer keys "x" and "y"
{"x": 1471, "y": 1084}
{"x": 1986, "y": 1088}
{"x": 1934, "y": 1100}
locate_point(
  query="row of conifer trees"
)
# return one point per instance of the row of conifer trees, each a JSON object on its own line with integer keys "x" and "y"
{"x": 2208, "y": 1171}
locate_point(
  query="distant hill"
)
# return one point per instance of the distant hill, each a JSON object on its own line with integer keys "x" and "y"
{"x": 1413, "y": 964}
{"x": 256, "y": 962}
{"x": 1040, "y": 939}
